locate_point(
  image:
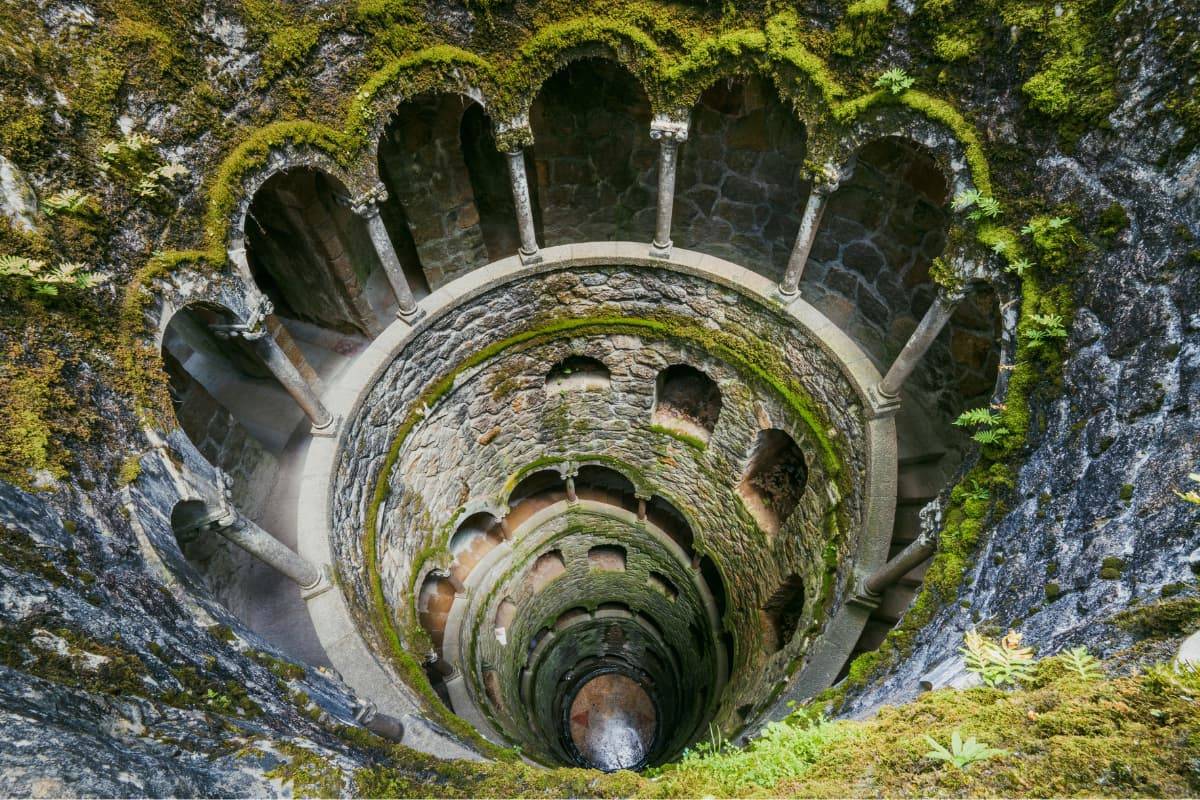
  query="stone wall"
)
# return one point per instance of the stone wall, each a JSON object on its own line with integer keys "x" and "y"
{"x": 595, "y": 166}
{"x": 497, "y": 419}
{"x": 422, "y": 163}
{"x": 740, "y": 187}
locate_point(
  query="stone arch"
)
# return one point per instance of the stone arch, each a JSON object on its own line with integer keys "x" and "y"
{"x": 687, "y": 400}
{"x": 782, "y": 613}
{"x": 556, "y": 48}
{"x": 774, "y": 480}
{"x": 474, "y": 538}
{"x": 432, "y": 213}
{"x": 309, "y": 251}
{"x": 578, "y": 373}
{"x": 900, "y": 122}
{"x": 742, "y": 180}
{"x": 593, "y": 159}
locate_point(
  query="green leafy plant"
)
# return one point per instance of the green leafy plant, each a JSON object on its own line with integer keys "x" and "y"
{"x": 1040, "y": 225}
{"x": 983, "y": 206}
{"x": 1018, "y": 266}
{"x": 990, "y": 431}
{"x": 1045, "y": 327}
{"x": 1082, "y": 664}
{"x": 977, "y": 491}
{"x": 962, "y": 754}
{"x": 46, "y": 280}
{"x": 895, "y": 80}
{"x": 69, "y": 201}
{"x": 998, "y": 663}
{"x": 1191, "y": 495}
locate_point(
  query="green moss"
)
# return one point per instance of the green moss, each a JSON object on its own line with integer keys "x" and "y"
{"x": 1111, "y": 568}
{"x": 222, "y": 632}
{"x": 288, "y": 49}
{"x": 310, "y": 774}
{"x": 1167, "y": 618}
{"x": 1053, "y": 592}
{"x": 131, "y": 468}
{"x": 1111, "y": 222}
{"x": 1126, "y": 492}
{"x": 695, "y": 442}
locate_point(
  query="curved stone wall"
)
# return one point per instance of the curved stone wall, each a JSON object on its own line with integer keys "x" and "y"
{"x": 459, "y": 413}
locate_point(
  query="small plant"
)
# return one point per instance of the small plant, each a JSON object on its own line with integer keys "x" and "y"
{"x": 45, "y": 280}
{"x": 998, "y": 663}
{"x": 1082, "y": 664}
{"x": 962, "y": 754}
{"x": 69, "y": 201}
{"x": 990, "y": 431}
{"x": 977, "y": 491}
{"x": 895, "y": 80}
{"x": 1040, "y": 225}
{"x": 982, "y": 205}
{"x": 1045, "y": 327}
{"x": 1191, "y": 495}
{"x": 1018, "y": 266}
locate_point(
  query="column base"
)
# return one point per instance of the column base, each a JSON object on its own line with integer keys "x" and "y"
{"x": 787, "y": 296}
{"x": 328, "y": 430}
{"x": 410, "y": 316}
{"x": 530, "y": 258}
{"x": 323, "y": 585}
{"x": 661, "y": 250}
{"x": 864, "y": 597}
{"x": 883, "y": 405}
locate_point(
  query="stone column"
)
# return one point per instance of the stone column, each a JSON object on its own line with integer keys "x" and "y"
{"x": 669, "y": 133}
{"x": 920, "y": 549}
{"x": 810, "y": 223}
{"x": 255, "y": 331}
{"x": 520, "y": 189}
{"x": 887, "y": 392}
{"x": 367, "y": 207}
{"x": 571, "y": 496}
{"x": 235, "y": 527}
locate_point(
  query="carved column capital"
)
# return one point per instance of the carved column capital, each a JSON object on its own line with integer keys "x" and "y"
{"x": 668, "y": 129}
{"x": 826, "y": 179}
{"x": 367, "y": 204}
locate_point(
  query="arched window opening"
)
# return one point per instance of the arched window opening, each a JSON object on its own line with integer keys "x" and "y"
{"x": 716, "y": 584}
{"x": 782, "y": 613}
{"x": 577, "y": 373}
{"x": 666, "y": 517}
{"x": 607, "y": 557}
{"x": 491, "y": 185}
{"x": 547, "y": 567}
{"x": 506, "y": 612}
{"x": 594, "y": 482}
{"x": 433, "y": 607}
{"x": 570, "y": 617}
{"x": 475, "y": 538}
{"x": 741, "y": 184}
{"x": 545, "y": 481}
{"x": 313, "y": 256}
{"x": 594, "y": 161}
{"x": 431, "y": 201}
{"x": 225, "y": 399}
{"x": 491, "y": 687}
{"x": 775, "y": 479}
{"x": 663, "y": 585}
{"x": 687, "y": 401}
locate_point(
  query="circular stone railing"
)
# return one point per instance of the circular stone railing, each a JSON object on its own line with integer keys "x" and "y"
{"x": 343, "y": 500}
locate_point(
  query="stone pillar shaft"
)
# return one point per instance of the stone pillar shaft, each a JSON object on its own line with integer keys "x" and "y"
{"x": 391, "y": 263}
{"x": 266, "y": 548}
{"x": 524, "y": 206}
{"x": 916, "y": 552}
{"x": 918, "y": 344}
{"x": 571, "y": 496}
{"x": 289, "y": 376}
{"x": 670, "y": 134}
{"x": 810, "y": 222}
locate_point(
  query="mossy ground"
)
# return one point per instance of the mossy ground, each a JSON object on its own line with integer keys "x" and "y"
{"x": 1063, "y": 736}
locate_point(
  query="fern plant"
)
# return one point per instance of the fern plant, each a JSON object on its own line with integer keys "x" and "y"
{"x": 45, "y": 280}
{"x": 962, "y": 754}
{"x": 1082, "y": 664}
{"x": 990, "y": 431}
{"x": 895, "y": 80}
{"x": 983, "y": 206}
{"x": 1045, "y": 328}
{"x": 998, "y": 663}
{"x": 69, "y": 201}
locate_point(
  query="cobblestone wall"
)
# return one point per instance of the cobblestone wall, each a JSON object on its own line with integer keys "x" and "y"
{"x": 595, "y": 166}
{"x": 498, "y": 419}
{"x": 740, "y": 187}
